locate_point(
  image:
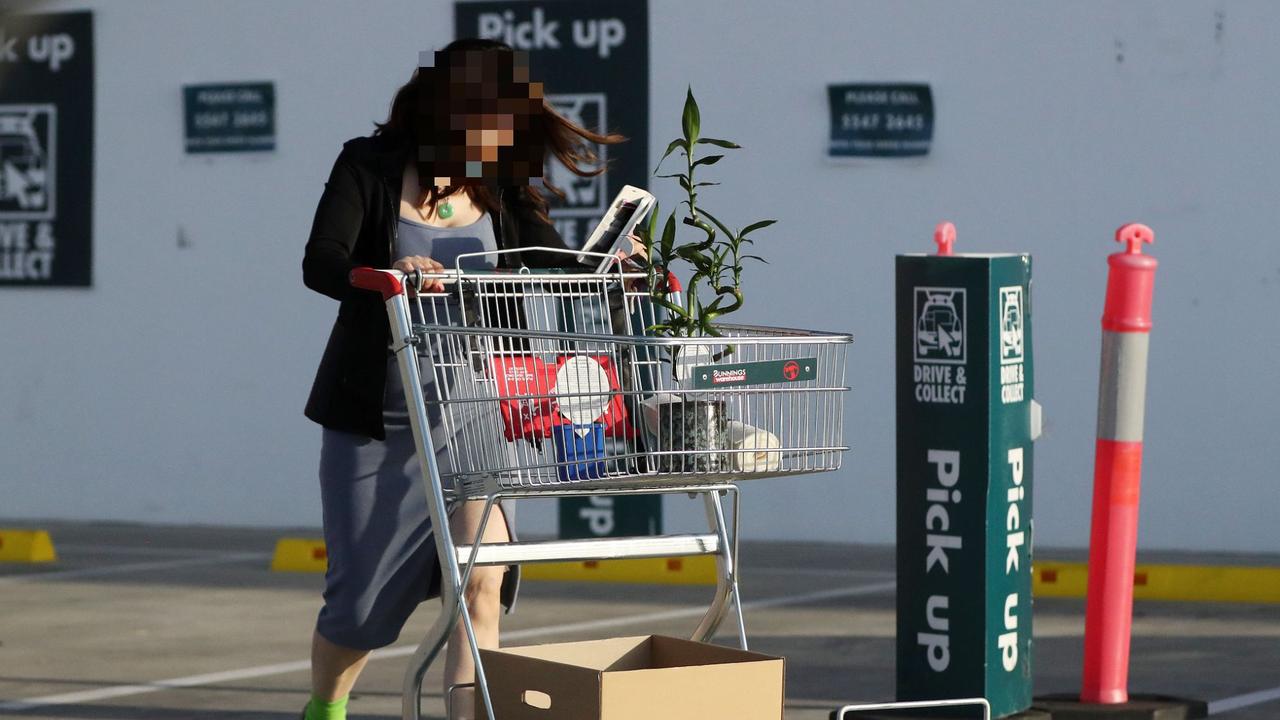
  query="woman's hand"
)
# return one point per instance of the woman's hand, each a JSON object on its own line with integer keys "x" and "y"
{"x": 425, "y": 264}
{"x": 628, "y": 259}
{"x": 637, "y": 250}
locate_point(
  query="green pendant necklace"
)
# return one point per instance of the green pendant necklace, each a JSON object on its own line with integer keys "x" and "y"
{"x": 445, "y": 209}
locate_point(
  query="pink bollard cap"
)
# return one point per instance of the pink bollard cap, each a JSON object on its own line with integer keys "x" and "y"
{"x": 944, "y": 236}
{"x": 1130, "y": 282}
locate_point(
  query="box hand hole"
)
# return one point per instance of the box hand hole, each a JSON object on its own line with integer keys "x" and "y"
{"x": 536, "y": 699}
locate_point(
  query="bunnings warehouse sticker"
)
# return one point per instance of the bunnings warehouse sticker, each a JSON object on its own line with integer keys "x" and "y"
{"x": 755, "y": 373}
{"x": 940, "y": 344}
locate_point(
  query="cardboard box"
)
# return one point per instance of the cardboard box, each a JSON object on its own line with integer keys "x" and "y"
{"x": 649, "y": 677}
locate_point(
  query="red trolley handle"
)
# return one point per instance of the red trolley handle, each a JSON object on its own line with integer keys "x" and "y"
{"x": 387, "y": 282}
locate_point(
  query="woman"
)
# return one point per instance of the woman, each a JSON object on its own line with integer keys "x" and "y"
{"x": 447, "y": 173}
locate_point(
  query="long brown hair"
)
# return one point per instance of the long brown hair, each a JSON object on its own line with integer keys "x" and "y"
{"x": 567, "y": 140}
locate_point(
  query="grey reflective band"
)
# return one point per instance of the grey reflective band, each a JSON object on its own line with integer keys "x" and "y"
{"x": 1122, "y": 386}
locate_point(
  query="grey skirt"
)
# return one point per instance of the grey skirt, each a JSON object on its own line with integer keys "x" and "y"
{"x": 377, "y": 531}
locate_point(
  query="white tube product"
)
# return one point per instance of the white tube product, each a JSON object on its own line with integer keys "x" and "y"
{"x": 757, "y": 443}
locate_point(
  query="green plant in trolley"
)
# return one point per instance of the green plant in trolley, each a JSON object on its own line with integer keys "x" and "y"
{"x": 714, "y": 289}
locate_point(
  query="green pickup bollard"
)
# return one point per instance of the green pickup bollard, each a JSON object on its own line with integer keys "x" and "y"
{"x": 964, "y": 469}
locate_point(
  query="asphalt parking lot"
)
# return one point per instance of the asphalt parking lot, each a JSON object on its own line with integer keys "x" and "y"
{"x": 187, "y": 623}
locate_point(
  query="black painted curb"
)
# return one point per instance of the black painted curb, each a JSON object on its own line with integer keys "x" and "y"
{"x": 1139, "y": 707}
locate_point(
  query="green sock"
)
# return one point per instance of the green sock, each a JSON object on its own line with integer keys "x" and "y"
{"x": 318, "y": 709}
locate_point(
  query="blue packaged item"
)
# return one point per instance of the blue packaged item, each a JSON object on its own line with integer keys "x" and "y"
{"x": 576, "y": 454}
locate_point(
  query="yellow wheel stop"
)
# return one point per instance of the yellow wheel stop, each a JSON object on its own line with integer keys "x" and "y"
{"x": 299, "y": 555}
{"x": 26, "y": 546}
{"x": 1204, "y": 583}
{"x": 692, "y": 570}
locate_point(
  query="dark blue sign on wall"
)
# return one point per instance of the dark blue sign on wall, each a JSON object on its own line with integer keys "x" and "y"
{"x": 46, "y": 149}
{"x": 230, "y": 117}
{"x": 880, "y": 120}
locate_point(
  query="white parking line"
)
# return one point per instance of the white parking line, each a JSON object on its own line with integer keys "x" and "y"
{"x": 1242, "y": 701}
{"x": 156, "y": 686}
{"x": 132, "y": 568}
{"x": 402, "y": 650}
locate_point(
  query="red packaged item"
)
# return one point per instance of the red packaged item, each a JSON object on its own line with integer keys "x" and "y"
{"x": 524, "y": 385}
{"x": 529, "y": 390}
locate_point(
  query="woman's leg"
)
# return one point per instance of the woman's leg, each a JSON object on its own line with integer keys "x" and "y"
{"x": 377, "y": 535}
{"x": 334, "y": 668}
{"x": 483, "y": 593}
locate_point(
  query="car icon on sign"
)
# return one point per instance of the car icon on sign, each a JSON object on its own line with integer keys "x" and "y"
{"x": 939, "y": 329}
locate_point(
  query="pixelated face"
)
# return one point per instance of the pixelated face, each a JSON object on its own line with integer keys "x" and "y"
{"x": 487, "y": 133}
{"x": 481, "y": 121}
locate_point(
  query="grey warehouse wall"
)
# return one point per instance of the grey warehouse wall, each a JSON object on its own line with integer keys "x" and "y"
{"x": 172, "y": 390}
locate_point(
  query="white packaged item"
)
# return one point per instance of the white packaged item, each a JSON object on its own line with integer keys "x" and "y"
{"x": 756, "y": 441}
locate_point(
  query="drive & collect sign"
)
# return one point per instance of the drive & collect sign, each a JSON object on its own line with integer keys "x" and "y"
{"x": 46, "y": 149}
{"x": 965, "y": 472}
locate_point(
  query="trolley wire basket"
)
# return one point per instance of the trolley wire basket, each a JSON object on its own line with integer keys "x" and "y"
{"x": 538, "y": 380}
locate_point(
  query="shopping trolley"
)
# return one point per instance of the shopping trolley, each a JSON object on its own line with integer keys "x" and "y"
{"x": 547, "y": 384}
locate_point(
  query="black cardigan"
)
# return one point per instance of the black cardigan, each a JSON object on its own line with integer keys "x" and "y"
{"x": 354, "y": 226}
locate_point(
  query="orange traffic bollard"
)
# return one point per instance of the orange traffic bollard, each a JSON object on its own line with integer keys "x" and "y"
{"x": 1126, "y": 326}
{"x": 1113, "y": 541}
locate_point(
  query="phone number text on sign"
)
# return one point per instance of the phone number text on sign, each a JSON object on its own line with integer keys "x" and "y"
{"x": 880, "y": 120}
{"x": 891, "y": 123}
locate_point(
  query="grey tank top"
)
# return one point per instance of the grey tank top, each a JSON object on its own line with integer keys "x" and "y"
{"x": 444, "y": 245}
